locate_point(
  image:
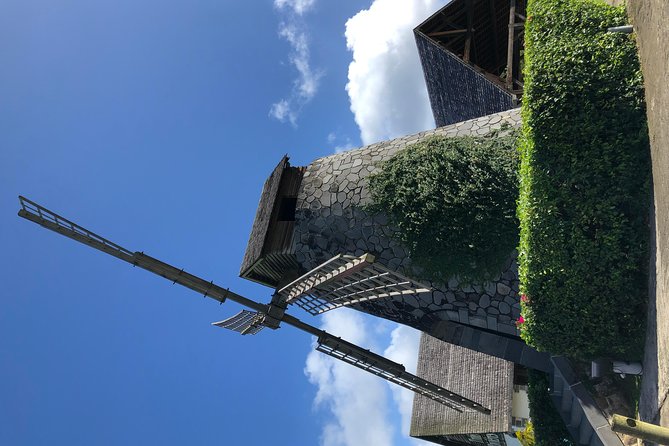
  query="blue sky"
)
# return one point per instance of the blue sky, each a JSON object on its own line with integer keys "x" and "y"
{"x": 155, "y": 125}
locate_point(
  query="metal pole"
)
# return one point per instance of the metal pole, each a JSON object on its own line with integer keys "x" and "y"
{"x": 639, "y": 429}
{"x": 626, "y": 29}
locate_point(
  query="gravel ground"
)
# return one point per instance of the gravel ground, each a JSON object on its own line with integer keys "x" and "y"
{"x": 651, "y": 24}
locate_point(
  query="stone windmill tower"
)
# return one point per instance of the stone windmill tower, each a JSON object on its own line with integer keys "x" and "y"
{"x": 308, "y": 215}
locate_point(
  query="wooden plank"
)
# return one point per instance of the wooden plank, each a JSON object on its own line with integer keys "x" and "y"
{"x": 468, "y": 39}
{"x": 510, "y": 46}
{"x": 447, "y": 33}
{"x": 304, "y": 276}
{"x": 342, "y": 288}
{"x": 341, "y": 272}
{"x": 495, "y": 37}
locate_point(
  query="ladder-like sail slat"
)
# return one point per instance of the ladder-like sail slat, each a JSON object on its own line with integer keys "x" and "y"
{"x": 345, "y": 280}
{"x": 245, "y": 322}
{"x": 272, "y": 314}
{"x": 394, "y": 372}
{"x": 50, "y": 220}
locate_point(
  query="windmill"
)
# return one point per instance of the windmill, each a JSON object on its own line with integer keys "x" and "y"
{"x": 341, "y": 281}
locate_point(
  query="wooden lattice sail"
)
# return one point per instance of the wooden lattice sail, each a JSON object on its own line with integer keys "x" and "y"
{"x": 338, "y": 282}
{"x": 345, "y": 280}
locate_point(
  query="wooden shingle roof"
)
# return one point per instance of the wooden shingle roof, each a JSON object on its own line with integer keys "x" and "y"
{"x": 473, "y": 375}
{"x": 268, "y": 199}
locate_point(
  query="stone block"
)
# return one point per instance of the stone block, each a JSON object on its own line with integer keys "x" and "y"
{"x": 503, "y": 289}
{"x": 507, "y": 329}
{"x": 492, "y": 322}
{"x": 438, "y": 297}
{"x": 478, "y": 321}
{"x": 463, "y": 315}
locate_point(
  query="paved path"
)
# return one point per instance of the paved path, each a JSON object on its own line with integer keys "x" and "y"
{"x": 651, "y": 23}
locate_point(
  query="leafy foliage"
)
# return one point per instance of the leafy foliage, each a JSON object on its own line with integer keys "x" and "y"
{"x": 526, "y": 436}
{"x": 453, "y": 201}
{"x": 585, "y": 177}
{"x": 549, "y": 429}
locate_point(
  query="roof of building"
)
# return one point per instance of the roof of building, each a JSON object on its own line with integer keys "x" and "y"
{"x": 261, "y": 222}
{"x": 269, "y": 257}
{"x": 464, "y": 50}
{"x": 474, "y": 375}
{"x": 477, "y": 31}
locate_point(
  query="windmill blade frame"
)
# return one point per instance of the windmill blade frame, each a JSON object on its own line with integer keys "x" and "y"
{"x": 345, "y": 280}
{"x": 394, "y": 372}
{"x": 245, "y": 322}
{"x": 268, "y": 315}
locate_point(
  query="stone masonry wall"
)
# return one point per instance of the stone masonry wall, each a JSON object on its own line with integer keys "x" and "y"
{"x": 331, "y": 219}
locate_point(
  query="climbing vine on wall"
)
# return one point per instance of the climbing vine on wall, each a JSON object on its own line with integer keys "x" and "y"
{"x": 453, "y": 201}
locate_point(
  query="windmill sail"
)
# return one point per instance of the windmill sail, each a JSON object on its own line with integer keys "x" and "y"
{"x": 394, "y": 372}
{"x": 245, "y": 322}
{"x": 343, "y": 282}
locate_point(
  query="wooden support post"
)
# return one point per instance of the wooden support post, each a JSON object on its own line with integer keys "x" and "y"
{"x": 495, "y": 39}
{"x": 510, "y": 47}
{"x": 639, "y": 429}
{"x": 470, "y": 23}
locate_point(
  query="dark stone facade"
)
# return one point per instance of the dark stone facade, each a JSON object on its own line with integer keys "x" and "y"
{"x": 331, "y": 218}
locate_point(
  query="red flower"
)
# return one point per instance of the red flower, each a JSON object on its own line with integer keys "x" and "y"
{"x": 523, "y": 298}
{"x": 520, "y": 321}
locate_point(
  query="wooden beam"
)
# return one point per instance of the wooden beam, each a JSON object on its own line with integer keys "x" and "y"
{"x": 493, "y": 24}
{"x": 510, "y": 46}
{"x": 470, "y": 22}
{"x": 446, "y": 33}
{"x": 312, "y": 282}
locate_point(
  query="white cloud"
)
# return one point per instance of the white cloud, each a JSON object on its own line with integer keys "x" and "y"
{"x": 281, "y": 111}
{"x": 357, "y": 400}
{"x": 340, "y": 143}
{"x": 344, "y": 147}
{"x": 305, "y": 86}
{"x": 385, "y": 81}
{"x": 403, "y": 348}
{"x": 307, "y": 81}
{"x": 299, "y": 7}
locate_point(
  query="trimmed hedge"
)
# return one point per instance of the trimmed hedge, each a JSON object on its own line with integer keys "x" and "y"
{"x": 549, "y": 429}
{"x": 585, "y": 183}
{"x": 453, "y": 201}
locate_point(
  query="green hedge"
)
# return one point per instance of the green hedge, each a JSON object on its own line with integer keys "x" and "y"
{"x": 549, "y": 429}
{"x": 585, "y": 182}
{"x": 453, "y": 201}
